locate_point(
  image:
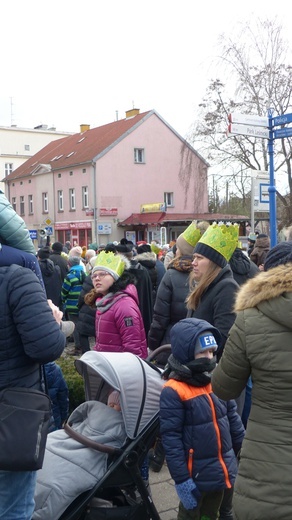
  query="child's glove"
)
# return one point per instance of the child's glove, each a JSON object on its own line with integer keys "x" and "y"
{"x": 188, "y": 493}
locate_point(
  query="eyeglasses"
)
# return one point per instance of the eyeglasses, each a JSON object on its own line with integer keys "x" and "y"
{"x": 100, "y": 275}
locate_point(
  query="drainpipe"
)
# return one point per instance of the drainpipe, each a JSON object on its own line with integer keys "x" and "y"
{"x": 94, "y": 201}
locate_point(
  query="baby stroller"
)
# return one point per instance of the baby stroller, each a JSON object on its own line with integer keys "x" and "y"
{"x": 121, "y": 488}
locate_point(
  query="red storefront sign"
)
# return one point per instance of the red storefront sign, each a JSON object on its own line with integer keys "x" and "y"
{"x": 73, "y": 225}
{"x": 105, "y": 212}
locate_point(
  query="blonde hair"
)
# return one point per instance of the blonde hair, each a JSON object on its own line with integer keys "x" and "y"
{"x": 194, "y": 297}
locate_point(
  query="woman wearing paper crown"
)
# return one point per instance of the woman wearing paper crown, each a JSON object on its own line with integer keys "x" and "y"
{"x": 213, "y": 294}
{"x": 118, "y": 323}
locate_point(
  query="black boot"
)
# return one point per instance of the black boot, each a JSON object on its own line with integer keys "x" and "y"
{"x": 156, "y": 456}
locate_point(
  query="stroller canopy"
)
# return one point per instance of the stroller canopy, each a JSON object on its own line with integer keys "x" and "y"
{"x": 139, "y": 385}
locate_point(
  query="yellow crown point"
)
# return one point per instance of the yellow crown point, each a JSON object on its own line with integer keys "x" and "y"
{"x": 192, "y": 233}
{"x": 113, "y": 264}
{"x": 222, "y": 237}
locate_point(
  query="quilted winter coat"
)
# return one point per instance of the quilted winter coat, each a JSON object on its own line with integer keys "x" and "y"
{"x": 119, "y": 325}
{"x": 29, "y": 333}
{"x": 260, "y": 345}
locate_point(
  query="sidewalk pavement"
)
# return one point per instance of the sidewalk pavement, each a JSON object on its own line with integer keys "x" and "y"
{"x": 164, "y": 494}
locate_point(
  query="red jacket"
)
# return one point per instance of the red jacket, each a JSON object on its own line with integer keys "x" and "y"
{"x": 119, "y": 325}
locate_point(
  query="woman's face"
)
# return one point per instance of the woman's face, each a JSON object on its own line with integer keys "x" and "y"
{"x": 102, "y": 281}
{"x": 200, "y": 264}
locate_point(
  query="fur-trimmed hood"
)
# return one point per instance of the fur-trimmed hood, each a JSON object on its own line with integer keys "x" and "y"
{"x": 265, "y": 286}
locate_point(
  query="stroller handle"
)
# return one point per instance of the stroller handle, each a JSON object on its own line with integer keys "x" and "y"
{"x": 89, "y": 443}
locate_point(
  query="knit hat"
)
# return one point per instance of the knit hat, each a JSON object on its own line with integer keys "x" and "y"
{"x": 185, "y": 338}
{"x": 280, "y": 254}
{"x": 75, "y": 251}
{"x": 252, "y": 237}
{"x": 218, "y": 243}
{"x": 111, "y": 263}
{"x": 57, "y": 247}
{"x": 204, "y": 342}
{"x": 73, "y": 260}
{"x": 188, "y": 239}
{"x": 44, "y": 253}
{"x": 144, "y": 248}
{"x": 113, "y": 398}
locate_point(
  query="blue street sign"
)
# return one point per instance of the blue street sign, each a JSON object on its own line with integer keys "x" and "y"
{"x": 33, "y": 234}
{"x": 49, "y": 230}
{"x": 282, "y": 120}
{"x": 283, "y": 132}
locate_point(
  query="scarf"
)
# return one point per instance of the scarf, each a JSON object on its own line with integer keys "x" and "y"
{"x": 195, "y": 373}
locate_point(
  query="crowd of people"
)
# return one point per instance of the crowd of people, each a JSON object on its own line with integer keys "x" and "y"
{"x": 225, "y": 407}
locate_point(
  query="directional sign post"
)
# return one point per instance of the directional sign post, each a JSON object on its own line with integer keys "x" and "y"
{"x": 263, "y": 127}
{"x": 283, "y": 132}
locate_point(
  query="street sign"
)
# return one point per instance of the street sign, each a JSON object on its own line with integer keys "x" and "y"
{"x": 282, "y": 132}
{"x": 48, "y": 221}
{"x": 282, "y": 120}
{"x": 253, "y": 131}
{"x": 49, "y": 230}
{"x": 247, "y": 119}
{"x": 33, "y": 234}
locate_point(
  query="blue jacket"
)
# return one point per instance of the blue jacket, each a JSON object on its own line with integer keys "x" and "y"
{"x": 58, "y": 392}
{"x": 29, "y": 333}
{"x": 200, "y": 432}
{"x": 71, "y": 288}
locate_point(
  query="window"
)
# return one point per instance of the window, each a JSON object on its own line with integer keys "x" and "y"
{"x": 85, "y": 202}
{"x": 139, "y": 155}
{"x": 72, "y": 199}
{"x": 13, "y": 203}
{"x": 168, "y": 199}
{"x": 27, "y": 147}
{"x": 84, "y": 170}
{"x": 45, "y": 203}
{"x": 30, "y": 205}
{"x": 8, "y": 168}
{"x": 60, "y": 200}
{"x": 22, "y": 205}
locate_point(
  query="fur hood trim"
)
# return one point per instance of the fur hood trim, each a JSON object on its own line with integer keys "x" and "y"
{"x": 264, "y": 286}
{"x": 146, "y": 256}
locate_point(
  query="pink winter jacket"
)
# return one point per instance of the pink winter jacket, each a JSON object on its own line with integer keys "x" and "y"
{"x": 119, "y": 325}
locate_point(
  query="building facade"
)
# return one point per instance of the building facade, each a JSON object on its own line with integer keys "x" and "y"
{"x": 89, "y": 186}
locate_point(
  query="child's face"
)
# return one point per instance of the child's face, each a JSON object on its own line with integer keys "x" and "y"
{"x": 115, "y": 406}
{"x": 207, "y": 353}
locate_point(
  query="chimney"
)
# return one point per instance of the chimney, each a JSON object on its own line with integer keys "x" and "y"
{"x": 84, "y": 128}
{"x": 132, "y": 113}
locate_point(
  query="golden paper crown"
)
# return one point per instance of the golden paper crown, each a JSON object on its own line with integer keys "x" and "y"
{"x": 222, "y": 238}
{"x": 192, "y": 234}
{"x": 113, "y": 264}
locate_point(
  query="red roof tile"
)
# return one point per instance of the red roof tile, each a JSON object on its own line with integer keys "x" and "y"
{"x": 79, "y": 148}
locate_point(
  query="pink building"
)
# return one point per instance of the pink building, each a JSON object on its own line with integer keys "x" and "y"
{"x": 136, "y": 177}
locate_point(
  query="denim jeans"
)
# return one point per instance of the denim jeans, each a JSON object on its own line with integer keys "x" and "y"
{"x": 17, "y": 490}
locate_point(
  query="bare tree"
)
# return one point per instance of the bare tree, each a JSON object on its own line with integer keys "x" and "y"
{"x": 259, "y": 78}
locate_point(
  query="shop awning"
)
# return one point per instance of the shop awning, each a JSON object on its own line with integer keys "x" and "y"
{"x": 144, "y": 219}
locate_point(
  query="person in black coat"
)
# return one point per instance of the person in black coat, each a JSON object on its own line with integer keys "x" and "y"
{"x": 86, "y": 318}
{"x": 51, "y": 274}
{"x": 58, "y": 259}
{"x": 242, "y": 267}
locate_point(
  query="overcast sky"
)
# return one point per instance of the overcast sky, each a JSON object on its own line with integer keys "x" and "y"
{"x": 67, "y": 62}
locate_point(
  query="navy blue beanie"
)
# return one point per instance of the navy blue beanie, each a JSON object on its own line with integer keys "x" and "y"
{"x": 280, "y": 254}
{"x": 184, "y": 335}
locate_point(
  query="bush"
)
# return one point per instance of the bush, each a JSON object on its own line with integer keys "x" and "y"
{"x": 74, "y": 381}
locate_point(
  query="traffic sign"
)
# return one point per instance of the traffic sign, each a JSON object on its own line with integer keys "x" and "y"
{"x": 253, "y": 131}
{"x": 282, "y": 132}
{"x": 247, "y": 119}
{"x": 49, "y": 230}
{"x": 282, "y": 120}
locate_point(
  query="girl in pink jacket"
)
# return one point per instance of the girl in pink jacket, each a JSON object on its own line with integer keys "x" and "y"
{"x": 118, "y": 324}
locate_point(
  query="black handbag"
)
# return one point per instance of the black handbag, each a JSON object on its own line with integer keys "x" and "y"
{"x": 24, "y": 421}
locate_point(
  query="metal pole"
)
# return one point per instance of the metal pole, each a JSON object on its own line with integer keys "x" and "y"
{"x": 272, "y": 187}
{"x": 252, "y": 202}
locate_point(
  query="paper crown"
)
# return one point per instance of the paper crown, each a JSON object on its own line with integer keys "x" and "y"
{"x": 219, "y": 242}
{"x": 188, "y": 239}
{"x": 111, "y": 263}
